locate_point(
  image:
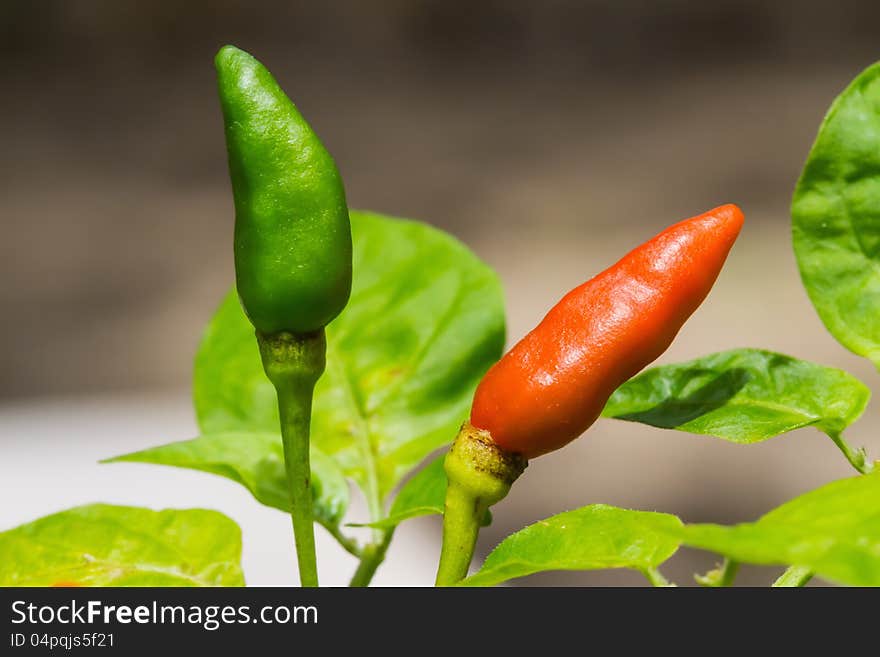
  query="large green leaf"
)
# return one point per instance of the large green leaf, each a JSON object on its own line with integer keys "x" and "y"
{"x": 424, "y": 323}
{"x": 103, "y": 545}
{"x": 591, "y": 538}
{"x": 256, "y": 461}
{"x": 743, "y": 395}
{"x": 836, "y": 217}
{"x": 834, "y": 531}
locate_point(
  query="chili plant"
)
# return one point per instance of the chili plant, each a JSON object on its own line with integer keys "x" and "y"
{"x": 356, "y": 346}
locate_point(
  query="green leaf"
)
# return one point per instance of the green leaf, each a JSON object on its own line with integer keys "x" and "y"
{"x": 742, "y": 395}
{"x": 836, "y": 218}
{"x": 590, "y": 538}
{"x": 256, "y": 461}
{"x": 103, "y": 545}
{"x": 422, "y": 495}
{"x": 424, "y": 323}
{"x": 834, "y": 531}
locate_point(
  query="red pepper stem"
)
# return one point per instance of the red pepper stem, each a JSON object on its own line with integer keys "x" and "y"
{"x": 479, "y": 474}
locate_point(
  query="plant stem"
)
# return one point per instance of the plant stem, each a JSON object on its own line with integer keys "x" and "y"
{"x": 729, "y": 569}
{"x": 461, "y": 525}
{"x": 479, "y": 474}
{"x": 856, "y": 457}
{"x": 721, "y": 576}
{"x": 295, "y": 409}
{"x": 372, "y": 558}
{"x": 293, "y": 364}
{"x": 656, "y": 578}
{"x": 795, "y": 576}
{"x": 348, "y": 544}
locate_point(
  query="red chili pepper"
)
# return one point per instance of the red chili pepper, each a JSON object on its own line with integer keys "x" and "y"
{"x": 553, "y": 384}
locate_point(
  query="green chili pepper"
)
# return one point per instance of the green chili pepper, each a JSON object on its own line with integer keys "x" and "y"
{"x": 292, "y": 257}
{"x": 292, "y": 233}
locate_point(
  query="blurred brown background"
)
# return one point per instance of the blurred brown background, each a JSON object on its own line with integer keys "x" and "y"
{"x": 550, "y": 137}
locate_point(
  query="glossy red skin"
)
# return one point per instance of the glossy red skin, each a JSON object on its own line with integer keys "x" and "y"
{"x": 554, "y": 383}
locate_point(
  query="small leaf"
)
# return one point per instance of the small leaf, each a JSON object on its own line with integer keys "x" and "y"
{"x": 590, "y": 538}
{"x": 834, "y": 531}
{"x": 424, "y": 323}
{"x": 256, "y": 461}
{"x": 103, "y": 545}
{"x": 423, "y": 495}
{"x": 836, "y": 217}
{"x": 742, "y": 395}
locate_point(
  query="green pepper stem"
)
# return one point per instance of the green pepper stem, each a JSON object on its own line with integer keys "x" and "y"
{"x": 795, "y": 576}
{"x": 479, "y": 474}
{"x": 461, "y": 527}
{"x": 372, "y": 557}
{"x": 294, "y": 405}
{"x": 293, "y": 364}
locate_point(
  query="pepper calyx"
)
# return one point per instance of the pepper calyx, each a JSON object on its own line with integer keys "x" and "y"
{"x": 479, "y": 465}
{"x": 293, "y": 357}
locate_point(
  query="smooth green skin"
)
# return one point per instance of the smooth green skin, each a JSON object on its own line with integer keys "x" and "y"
{"x": 104, "y": 545}
{"x": 292, "y": 235}
{"x": 594, "y": 537}
{"x": 836, "y": 218}
{"x": 745, "y": 396}
{"x": 833, "y": 531}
